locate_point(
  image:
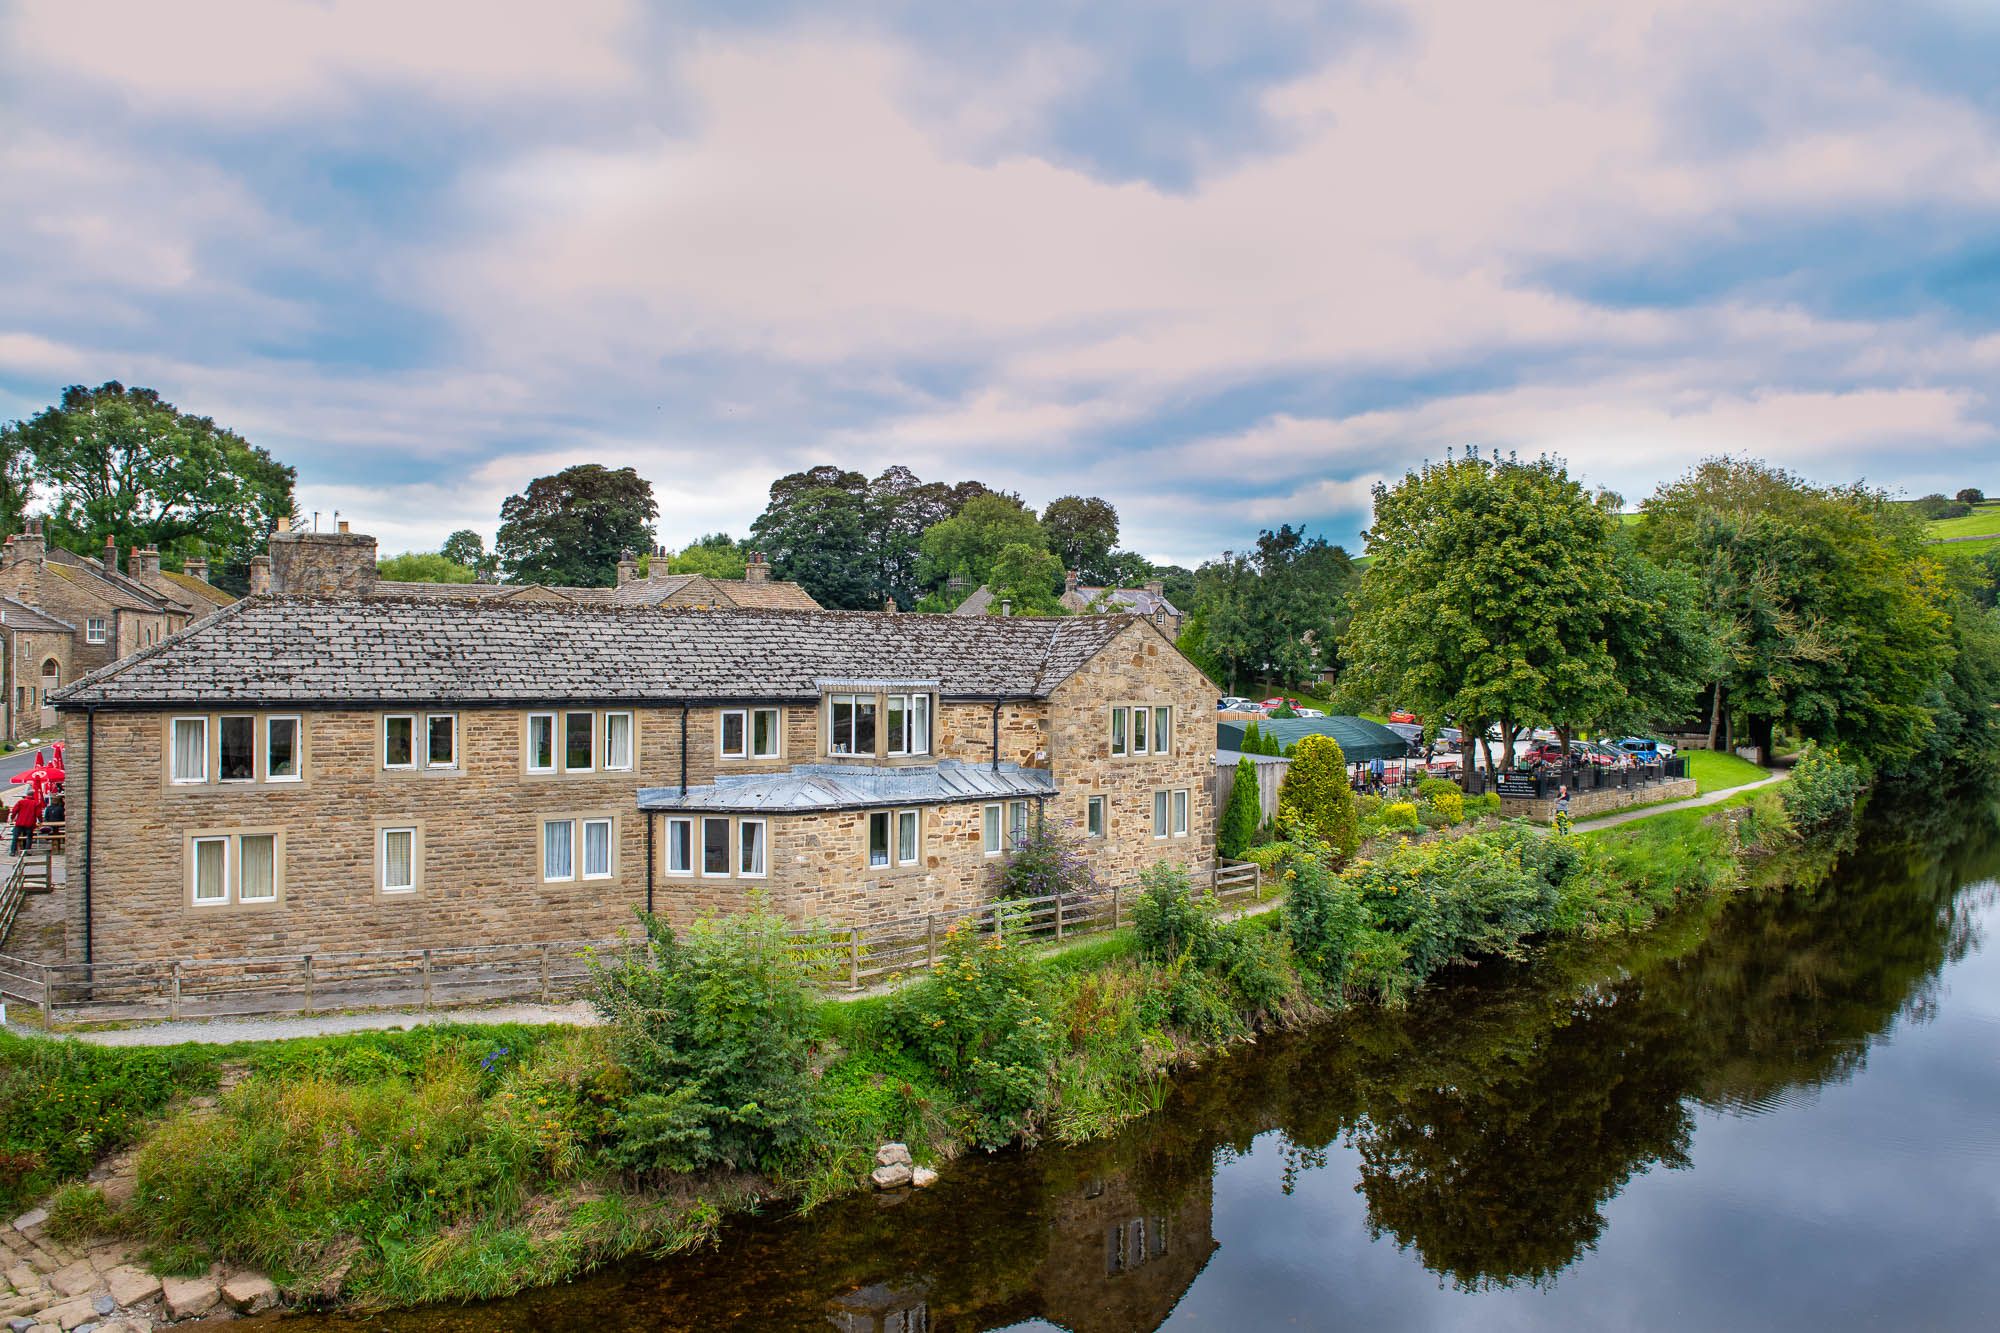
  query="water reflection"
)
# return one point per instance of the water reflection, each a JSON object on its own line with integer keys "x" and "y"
{"x": 1487, "y": 1130}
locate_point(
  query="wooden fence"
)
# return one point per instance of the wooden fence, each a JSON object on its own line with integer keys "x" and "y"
{"x": 300, "y": 985}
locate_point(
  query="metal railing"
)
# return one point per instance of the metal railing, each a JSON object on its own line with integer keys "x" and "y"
{"x": 300, "y": 985}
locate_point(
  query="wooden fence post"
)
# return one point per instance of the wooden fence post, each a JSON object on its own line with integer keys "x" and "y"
{"x": 309, "y": 983}
{"x": 1114, "y": 907}
{"x": 174, "y": 1004}
{"x": 427, "y": 978}
{"x": 545, "y": 974}
{"x": 930, "y": 940}
{"x": 854, "y": 958}
{"x": 1059, "y": 919}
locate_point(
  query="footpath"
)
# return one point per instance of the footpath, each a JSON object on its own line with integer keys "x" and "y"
{"x": 1616, "y": 818}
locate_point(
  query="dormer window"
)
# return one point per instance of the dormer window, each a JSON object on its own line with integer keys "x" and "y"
{"x": 909, "y": 724}
{"x": 851, "y": 724}
{"x": 879, "y": 719}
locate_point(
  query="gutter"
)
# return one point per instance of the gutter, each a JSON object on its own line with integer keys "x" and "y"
{"x": 996, "y": 735}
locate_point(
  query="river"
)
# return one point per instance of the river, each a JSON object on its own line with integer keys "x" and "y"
{"x": 1779, "y": 1111}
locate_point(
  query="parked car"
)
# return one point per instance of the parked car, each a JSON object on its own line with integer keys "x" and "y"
{"x": 1311, "y": 712}
{"x": 1273, "y": 704}
{"x": 1644, "y": 747}
{"x": 1409, "y": 731}
{"x": 1402, "y": 715}
{"x": 1235, "y": 703}
{"x": 1550, "y": 752}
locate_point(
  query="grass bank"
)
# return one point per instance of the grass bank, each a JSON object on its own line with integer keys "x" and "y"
{"x": 1718, "y": 770}
{"x": 451, "y": 1163}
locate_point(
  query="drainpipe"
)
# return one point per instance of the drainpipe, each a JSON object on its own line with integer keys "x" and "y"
{"x": 684, "y": 748}
{"x": 89, "y": 819}
{"x": 649, "y": 862}
{"x": 996, "y": 735}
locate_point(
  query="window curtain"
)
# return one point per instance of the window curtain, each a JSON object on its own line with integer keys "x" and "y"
{"x": 191, "y": 749}
{"x": 398, "y": 860}
{"x": 618, "y": 740}
{"x": 558, "y": 849}
{"x": 258, "y": 868}
{"x": 597, "y": 847}
{"x": 211, "y": 879}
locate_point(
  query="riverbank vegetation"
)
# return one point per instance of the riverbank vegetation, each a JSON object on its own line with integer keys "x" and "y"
{"x": 462, "y": 1162}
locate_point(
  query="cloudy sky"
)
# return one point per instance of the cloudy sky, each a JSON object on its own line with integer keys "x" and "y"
{"x": 1225, "y": 265}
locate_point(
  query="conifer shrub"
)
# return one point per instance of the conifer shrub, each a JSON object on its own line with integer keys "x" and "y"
{"x": 1236, "y": 829}
{"x": 1316, "y": 792}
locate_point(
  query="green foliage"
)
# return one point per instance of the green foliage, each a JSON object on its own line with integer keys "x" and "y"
{"x": 1822, "y": 789}
{"x": 1971, "y": 495}
{"x": 1081, "y": 532}
{"x": 1028, "y": 579}
{"x": 1168, "y": 921}
{"x": 979, "y": 1025}
{"x": 63, "y": 1104}
{"x": 715, "y": 1031}
{"x": 468, "y": 548}
{"x": 1325, "y": 922}
{"x": 815, "y": 531}
{"x": 969, "y": 544}
{"x": 572, "y": 527}
{"x": 1316, "y": 792}
{"x": 1279, "y": 609}
{"x": 717, "y": 556}
{"x": 1448, "y": 806}
{"x": 1236, "y": 828}
{"x": 425, "y": 567}
{"x": 1430, "y": 789}
{"x": 1051, "y": 857}
{"x": 1936, "y": 506}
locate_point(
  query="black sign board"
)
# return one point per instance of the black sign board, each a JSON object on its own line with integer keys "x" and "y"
{"x": 1518, "y": 785}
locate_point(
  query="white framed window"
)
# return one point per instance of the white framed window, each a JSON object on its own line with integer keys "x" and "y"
{"x": 597, "y": 849}
{"x": 398, "y": 856}
{"x": 1159, "y": 814}
{"x": 209, "y": 884}
{"x": 1093, "y": 816}
{"x": 558, "y": 849}
{"x": 441, "y": 740}
{"x": 1017, "y": 822}
{"x": 878, "y": 838}
{"x": 715, "y": 847}
{"x": 909, "y": 717}
{"x": 990, "y": 828}
{"x": 257, "y": 868}
{"x": 1139, "y": 731}
{"x": 189, "y": 759}
{"x": 1181, "y": 813}
{"x": 680, "y": 846}
{"x": 399, "y": 740}
{"x": 541, "y": 742}
{"x": 851, "y": 724}
{"x": 1118, "y": 716}
{"x": 579, "y": 742}
{"x": 281, "y": 749}
{"x": 765, "y": 733}
{"x": 908, "y": 841}
{"x": 750, "y": 848}
{"x": 735, "y": 734}
{"x": 236, "y": 748}
{"x": 1163, "y": 730}
{"x": 618, "y": 742}
{"x": 94, "y": 630}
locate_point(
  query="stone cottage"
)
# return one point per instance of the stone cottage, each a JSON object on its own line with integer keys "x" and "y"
{"x": 328, "y": 772}
{"x": 37, "y": 649}
{"x": 1082, "y": 599}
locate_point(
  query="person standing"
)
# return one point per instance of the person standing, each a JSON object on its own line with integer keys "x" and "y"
{"x": 26, "y": 811}
{"x": 1562, "y": 799}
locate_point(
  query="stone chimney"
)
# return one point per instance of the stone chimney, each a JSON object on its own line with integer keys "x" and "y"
{"x": 260, "y": 574}
{"x": 322, "y": 564}
{"x": 30, "y": 547}
{"x": 1006, "y": 606}
{"x": 110, "y": 554}
{"x": 1157, "y": 587}
{"x": 1071, "y": 577}
{"x": 889, "y": 607}
{"x": 755, "y": 570}
{"x": 656, "y": 568}
{"x": 142, "y": 562}
{"x": 195, "y": 567}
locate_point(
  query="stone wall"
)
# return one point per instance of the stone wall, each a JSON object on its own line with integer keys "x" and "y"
{"x": 1584, "y": 804}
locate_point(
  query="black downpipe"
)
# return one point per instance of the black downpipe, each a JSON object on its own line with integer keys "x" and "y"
{"x": 89, "y": 819}
{"x": 684, "y": 747}
{"x": 996, "y": 735}
{"x": 649, "y": 862}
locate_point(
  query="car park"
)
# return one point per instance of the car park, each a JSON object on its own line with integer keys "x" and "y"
{"x": 1402, "y": 715}
{"x": 1235, "y": 703}
{"x": 1645, "y": 748}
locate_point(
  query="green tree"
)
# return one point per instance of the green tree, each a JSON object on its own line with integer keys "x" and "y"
{"x": 966, "y": 545}
{"x": 17, "y": 476}
{"x": 1028, "y": 579}
{"x": 901, "y": 508}
{"x": 468, "y": 548}
{"x": 1829, "y": 614}
{"x": 1315, "y": 791}
{"x": 424, "y": 567}
{"x": 1490, "y": 597}
{"x": 571, "y": 528}
{"x": 1273, "y": 614}
{"x": 126, "y": 464}
{"x": 718, "y": 556}
{"x": 1971, "y": 495}
{"x": 1081, "y": 531}
{"x": 814, "y": 532}
{"x": 1241, "y": 815}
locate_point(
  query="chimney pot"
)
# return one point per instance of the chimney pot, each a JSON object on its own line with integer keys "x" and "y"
{"x": 284, "y": 523}
{"x": 343, "y": 526}
{"x": 110, "y": 553}
{"x": 1006, "y": 606}
{"x": 1157, "y": 587}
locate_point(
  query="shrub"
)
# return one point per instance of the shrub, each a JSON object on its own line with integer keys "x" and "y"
{"x": 78, "y": 1212}
{"x": 1822, "y": 789}
{"x": 1449, "y": 806}
{"x": 1048, "y": 860}
{"x": 1270, "y": 855}
{"x": 1241, "y": 816}
{"x": 1400, "y": 816}
{"x": 979, "y": 1024}
{"x": 1167, "y": 921}
{"x": 715, "y": 1031}
{"x": 1253, "y": 739}
{"x": 1938, "y": 506}
{"x": 1325, "y": 921}
{"x": 1316, "y": 791}
{"x": 1486, "y": 803}
{"x": 1429, "y": 789}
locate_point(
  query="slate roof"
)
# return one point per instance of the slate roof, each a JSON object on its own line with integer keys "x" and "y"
{"x": 639, "y": 592}
{"x": 198, "y": 593}
{"x": 114, "y": 587}
{"x": 1137, "y": 601}
{"x": 816, "y": 787}
{"x": 978, "y": 602}
{"x": 357, "y": 651}
{"x": 19, "y": 615}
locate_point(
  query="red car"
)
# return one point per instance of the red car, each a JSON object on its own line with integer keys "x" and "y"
{"x": 1402, "y": 715}
{"x": 1273, "y": 705}
{"x": 1552, "y": 753}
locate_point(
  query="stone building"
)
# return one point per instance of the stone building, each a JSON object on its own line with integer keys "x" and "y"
{"x": 309, "y": 773}
{"x": 1149, "y": 602}
{"x": 38, "y": 659}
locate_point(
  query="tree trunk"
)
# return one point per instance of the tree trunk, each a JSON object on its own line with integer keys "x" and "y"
{"x": 1466, "y": 765}
{"x": 1563, "y": 733}
{"x": 1715, "y": 716}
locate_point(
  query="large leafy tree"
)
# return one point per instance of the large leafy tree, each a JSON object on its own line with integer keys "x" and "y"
{"x": 1832, "y": 620}
{"x": 126, "y": 464}
{"x": 1081, "y": 531}
{"x": 717, "y": 555}
{"x": 1272, "y": 613}
{"x": 901, "y": 508}
{"x": 1028, "y": 579}
{"x": 814, "y": 531}
{"x": 966, "y": 545}
{"x": 17, "y": 476}
{"x": 1490, "y": 597}
{"x": 468, "y": 548}
{"x": 571, "y": 528}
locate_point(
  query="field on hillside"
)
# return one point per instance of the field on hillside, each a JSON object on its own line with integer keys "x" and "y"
{"x": 1983, "y": 521}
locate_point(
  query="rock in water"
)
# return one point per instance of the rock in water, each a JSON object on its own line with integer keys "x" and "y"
{"x": 923, "y": 1177}
{"x": 892, "y": 1154}
{"x": 891, "y": 1177}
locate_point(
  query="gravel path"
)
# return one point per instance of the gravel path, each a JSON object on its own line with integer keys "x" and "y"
{"x": 220, "y": 1031}
{"x": 1706, "y": 798}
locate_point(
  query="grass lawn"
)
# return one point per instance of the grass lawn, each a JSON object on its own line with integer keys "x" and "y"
{"x": 1983, "y": 521}
{"x": 1715, "y": 770}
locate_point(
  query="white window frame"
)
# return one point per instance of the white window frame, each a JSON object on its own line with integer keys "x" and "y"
{"x": 992, "y": 829}
{"x": 1163, "y": 729}
{"x": 382, "y": 859}
{"x": 728, "y": 846}
{"x": 548, "y": 826}
{"x": 298, "y": 772}
{"x": 1016, "y": 827}
{"x": 916, "y": 820}
{"x": 1142, "y": 718}
{"x": 667, "y": 847}
{"x": 583, "y": 870}
{"x": 431, "y": 720}
{"x": 1160, "y": 815}
{"x": 722, "y": 750}
{"x": 410, "y": 718}
{"x": 591, "y": 766}
{"x": 777, "y": 716}
{"x": 221, "y": 718}
{"x": 95, "y": 629}
{"x": 1096, "y": 817}
{"x": 912, "y": 705}
{"x": 1181, "y": 805}
{"x": 277, "y": 874}
{"x": 854, "y": 704}
{"x": 194, "y": 871}
{"x": 555, "y": 750}
{"x": 174, "y": 775}
{"x": 631, "y": 741}
{"x": 763, "y": 869}
{"x": 1119, "y": 740}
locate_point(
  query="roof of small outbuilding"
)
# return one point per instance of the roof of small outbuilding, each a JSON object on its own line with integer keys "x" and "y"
{"x": 809, "y": 788}
{"x": 1360, "y": 740}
